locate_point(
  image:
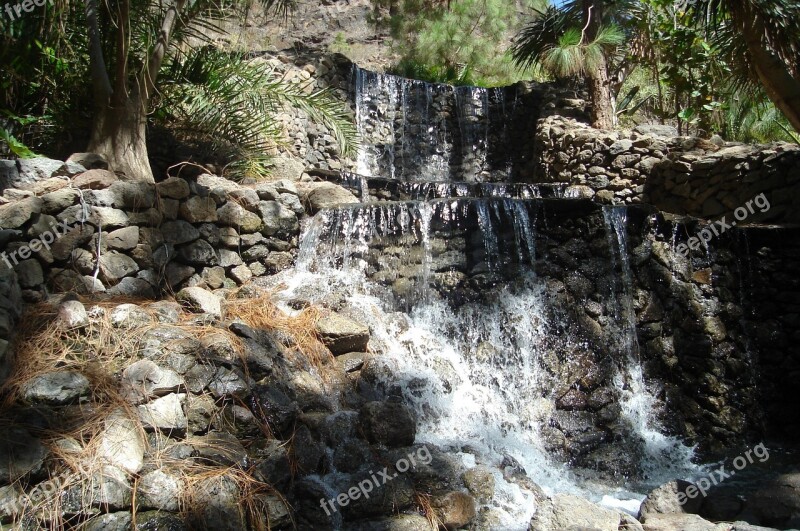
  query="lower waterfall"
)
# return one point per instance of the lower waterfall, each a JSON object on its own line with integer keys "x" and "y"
{"x": 473, "y": 329}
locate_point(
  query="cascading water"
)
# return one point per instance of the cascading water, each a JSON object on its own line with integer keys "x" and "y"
{"x": 413, "y": 130}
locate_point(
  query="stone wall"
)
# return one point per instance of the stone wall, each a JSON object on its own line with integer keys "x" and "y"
{"x": 682, "y": 175}
{"x": 91, "y": 232}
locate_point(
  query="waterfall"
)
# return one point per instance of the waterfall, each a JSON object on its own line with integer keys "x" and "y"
{"x": 417, "y": 131}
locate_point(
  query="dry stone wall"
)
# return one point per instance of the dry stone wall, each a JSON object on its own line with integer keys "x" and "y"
{"x": 682, "y": 175}
{"x": 95, "y": 233}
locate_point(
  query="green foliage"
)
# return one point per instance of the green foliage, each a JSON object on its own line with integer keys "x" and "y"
{"x": 570, "y": 56}
{"x": 459, "y": 42}
{"x": 227, "y": 103}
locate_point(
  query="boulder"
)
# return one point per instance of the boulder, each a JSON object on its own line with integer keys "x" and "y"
{"x": 198, "y": 209}
{"x": 37, "y": 169}
{"x": 96, "y": 179}
{"x": 179, "y": 232}
{"x": 328, "y": 195}
{"x": 284, "y": 167}
{"x": 158, "y": 490}
{"x": 22, "y": 454}
{"x": 198, "y": 253}
{"x": 90, "y": 161}
{"x": 667, "y": 499}
{"x": 72, "y": 314}
{"x": 15, "y": 215}
{"x": 114, "y": 266}
{"x": 165, "y": 414}
{"x": 342, "y": 335}
{"x": 232, "y": 214}
{"x": 144, "y": 379}
{"x": 565, "y": 511}
{"x": 454, "y": 509}
{"x": 56, "y": 388}
{"x": 173, "y": 188}
{"x": 388, "y": 423}
{"x": 121, "y": 442}
{"x": 683, "y": 522}
{"x": 123, "y": 239}
{"x": 200, "y": 300}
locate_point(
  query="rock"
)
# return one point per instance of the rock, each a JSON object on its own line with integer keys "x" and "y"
{"x": 72, "y": 314}
{"x": 341, "y": 335}
{"x": 352, "y": 361}
{"x": 656, "y": 130}
{"x": 272, "y": 406}
{"x": 120, "y": 521}
{"x": 56, "y": 388}
{"x": 241, "y": 274}
{"x": 328, "y": 195}
{"x": 123, "y": 239}
{"x": 22, "y": 454}
{"x": 96, "y": 179}
{"x": 29, "y": 273}
{"x": 480, "y": 482}
{"x": 144, "y": 379}
{"x": 198, "y": 209}
{"x": 114, "y": 266}
{"x": 229, "y": 258}
{"x": 15, "y": 215}
{"x": 165, "y": 414}
{"x": 166, "y": 311}
{"x": 129, "y": 316}
{"x": 215, "y": 505}
{"x": 565, "y": 511}
{"x": 283, "y": 167}
{"x": 454, "y": 510}
{"x": 176, "y": 273}
{"x": 667, "y": 498}
{"x": 121, "y": 442}
{"x": 158, "y": 490}
{"x": 173, "y": 188}
{"x": 620, "y": 146}
{"x": 234, "y": 215}
{"x": 9, "y": 174}
{"x": 133, "y": 287}
{"x": 200, "y": 300}
{"x": 683, "y": 522}
{"x": 133, "y": 195}
{"x": 214, "y": 276}
{"x": 179, "y": 232}
{"x": 76, "y": 237}
{"x": 57, "y": 201}
{"x": 198, "y": 253}
{"x": 278, "y": 220}
{"x": 389, "y": 423}
{"x": 221, "y": 449}
{"x": 226, "y": 382}
{"x": 108, "y": 488}
{"x": 90, "y": 161}
{"x": 37, "y": 169}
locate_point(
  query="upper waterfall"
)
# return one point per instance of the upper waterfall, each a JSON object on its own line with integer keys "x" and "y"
{"x": 417, "y": 131}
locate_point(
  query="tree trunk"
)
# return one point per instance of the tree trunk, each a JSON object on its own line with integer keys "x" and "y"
{"x": 781, "y": 87}
{"x": 119, "y": 133}
{"x": 603, "y": 116}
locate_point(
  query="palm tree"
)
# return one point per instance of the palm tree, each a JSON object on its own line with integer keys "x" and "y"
{"x": 761, "y": 39}
{"x": 576, "y": 38}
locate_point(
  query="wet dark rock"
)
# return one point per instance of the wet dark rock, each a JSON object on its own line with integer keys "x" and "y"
{"x": 389, "y": 423}
{"x": 273, "y": 407}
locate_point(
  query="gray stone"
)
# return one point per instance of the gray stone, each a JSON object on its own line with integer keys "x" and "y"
{"x": 620, "y": 146}
{"x": 198, "y": 253}
{"x": 56, "y": 388}
{"x": 166, "y": 311}
{"x": 328, "y": 195}
{"x": 133, "y": 287}
{"x": 22, "y": 454}
{"x": 76, "y": 237}
{"x": 565, "y": 511}
{"x": 213, "y": 276}
{"x": 72, "y": 314}
{"x": 133, "y": 195}
{"x": 480, "y": 482}
{"x": 108, "y": 488}
{"x": 342, "y": 335}
{"x": 129, "y": 316}
{"x": 226, "y": 382}
{"x": 200, "y": 300}
{"x": 158, "y": 490}
{"x": 90, "y": 161}
{"x": 176, "y": 273}
{"x": 151, "y": 217}
{"x": 246, "y": 197}
{"x": 173, "y": 188}
{"x": 234, "y": 215}
{"x": 123, "y": 239}
{"x": 144, "y": 379}
{"x": 229, "y": 258}
{"x": 165, "y": 414}
{"x": 121, "y": 442}
{"x": 454, "y": 510}
{"x": 30, "y": 274}
{"x": 37, "y": 169}
{"x": 683, "y": 522}
{"x": 220, "y": 448}
{"x": 120, "y": 521}
{"x": 241, "y": 274}
{"x": 216, "y": 505}
{"x": 656, "y": 130}
{"x": 285, "y": 167}
{"x": 267, "y": 191}
{"x": 388, "y": 423}
{"x": 179, "y": 232}
{"x": 114, "y": 266}
{"x": 59, "y": 200}
{"x": 15, "y": 215}
{"x": 277, "y": 218}
{"x": 9, "y": 174}
{"x": 198, "y": 209}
